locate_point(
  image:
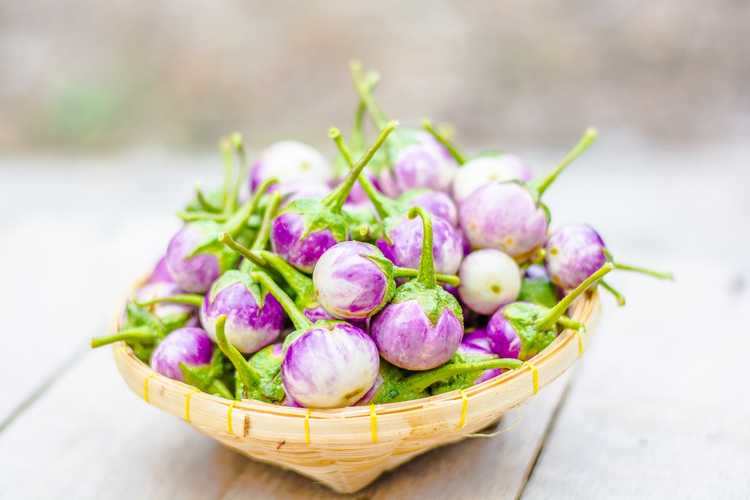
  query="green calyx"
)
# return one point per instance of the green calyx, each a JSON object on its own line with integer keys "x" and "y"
{"x": 336, "y": 199}
{"x": 458, "y": 373}
{"x": 246, "y": 374}
{"x": 299, "y": 320}
{"x": 232, "y": 277}
{"x": 208, "y": 378}
{"x": 538, "y": 187}
{"x": 141, "y": 330}
{"x": 538, "y": 291}
{"x": 537, "y": 325}
{"x": 268, "y": 387}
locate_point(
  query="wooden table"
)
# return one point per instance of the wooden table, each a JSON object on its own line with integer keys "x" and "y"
{"x": 659, "y": 407}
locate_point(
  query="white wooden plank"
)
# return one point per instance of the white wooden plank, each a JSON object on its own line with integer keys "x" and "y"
{"x": 661, "y": 407}
{"x": 89, "y": 437}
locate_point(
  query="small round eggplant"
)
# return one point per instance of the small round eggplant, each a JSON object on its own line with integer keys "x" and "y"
{"x": 327, "y": 364}
{"x": 191, "y": 346}
{"x": 485, "y": 170}
{"x": 437, "y": 203}
{"x": 574, "y": 252}
{"x": 423, "y": 325}
{"x": 489, "y": 279}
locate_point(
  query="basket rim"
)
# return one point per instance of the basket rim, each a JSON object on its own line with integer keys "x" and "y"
{"x": 584, "y": 310}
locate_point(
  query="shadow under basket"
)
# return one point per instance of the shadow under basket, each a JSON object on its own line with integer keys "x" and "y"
{"x": 348, "y": 448}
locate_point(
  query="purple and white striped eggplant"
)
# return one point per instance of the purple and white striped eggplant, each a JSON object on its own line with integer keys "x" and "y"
{"x": 308, "y": 227}
{"x": 574, "y": 252}
{"x": 354, "y": 280}
{"x": 423, "y": 325}
{"x": 254, "y": 318}
{"x": 327, "y": 364}
{"x": 191, "y": 346}
{"x": 195, "y": 258}
{"x": 522, "y": 330}
{"x": 509, "y": 215}
{"x": 489, "y": 279}
{"x": 293, "y": 164}
{"x": 402, "y": 237}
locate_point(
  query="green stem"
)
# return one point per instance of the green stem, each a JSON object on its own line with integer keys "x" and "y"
{"x": 220, "y": 389}
{"x": 261, "y": 239}
{"x": 358, "y": 132}
{"x": 190, "y": 299}
{"x": 238, "y": 145}
{"x": 203, "y": 201}
{"x": 242, "y": 250}
{"x": 567, "y": 322}
{"x": 554, "y": 313}
{"x": 299, "y": 320}
{"x": 365, "y": 94}
{"x": 643, "y": 270}
{"x": 407, "y": 272}
{"x": 588, "y": 138}
{"x": 238, "y": 220}
{"x": 378, "y": 200}
{"x": 427, "y": 125}
{"x": 246, "y": 372}
{"x": 225, "y": 146}
{"x": 140, "y": 334}
{"x": 620, "y": 298}
{"x": 301, "y": 283}
{"x": 422, "y": 381}
{"x": 426, "y": 274}
{"x": 337, "y": 198}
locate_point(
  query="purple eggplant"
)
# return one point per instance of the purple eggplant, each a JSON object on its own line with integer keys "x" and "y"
{"x": 354, "y": 280}
{"x": 489, "y": 279}
{"x": 308, "y": 227}
{"x": 522, "y": 330}
{"x": 423, "y": 325}
{"x": 195, "y": 258}
{"x": 574, "y": 252}
{"x": 509, "y": 216}
{"x": 191, "y": 346}
{"x": 327, "y": 364}
{"x": 401, "y": 242}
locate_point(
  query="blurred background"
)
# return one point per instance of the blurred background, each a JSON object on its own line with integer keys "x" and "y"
{"x": 110, "y": 112}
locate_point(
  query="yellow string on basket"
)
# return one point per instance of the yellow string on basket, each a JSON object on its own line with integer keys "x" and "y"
{"x": 188, "y": 396}
{"x": 534, "y": 375}
{"x": 373, "y": 423}
{"x": 145, "y": 387}
{"x": 230, "y": 409}
{"x": 307, "y": 427}
{"x": 464, "y": 410}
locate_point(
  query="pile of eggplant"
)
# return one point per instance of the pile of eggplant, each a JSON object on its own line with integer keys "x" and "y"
{"x": 400, "y": 269}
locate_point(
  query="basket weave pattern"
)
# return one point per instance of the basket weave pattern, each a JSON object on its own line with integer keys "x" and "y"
{"x": 348, "y": 448}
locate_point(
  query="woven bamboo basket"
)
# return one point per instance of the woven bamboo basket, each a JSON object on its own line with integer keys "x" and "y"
{"x": 348, "y": 448}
